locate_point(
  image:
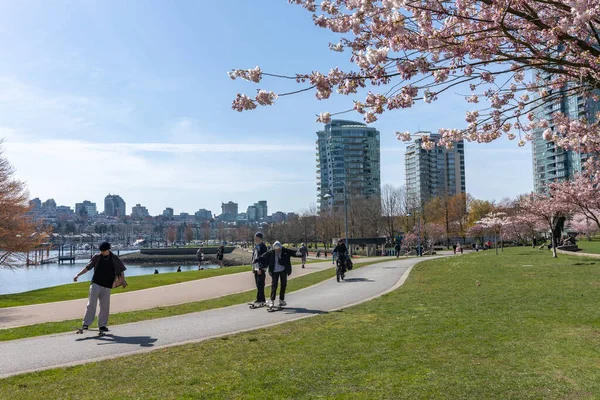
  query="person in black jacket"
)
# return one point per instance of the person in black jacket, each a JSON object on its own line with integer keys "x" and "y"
{"x": 259, "y": 269}
{"x": 342, "y": 253}
{"x": 220, "y": 252}
{"x": 280, "y": 267}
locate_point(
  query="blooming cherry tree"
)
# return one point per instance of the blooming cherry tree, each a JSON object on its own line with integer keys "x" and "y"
{"x": 506, "y": 58}
{"x": 494, "y": 222}
{"x": 582, "y": 194}
{"x": 547, "y": 209}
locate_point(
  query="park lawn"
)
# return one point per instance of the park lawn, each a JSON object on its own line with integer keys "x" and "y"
{"x": 80, "y": 290}
{"x": 169, "y": 311}
{"x": 589, "y": 246}
{"x": 529, "y": 330}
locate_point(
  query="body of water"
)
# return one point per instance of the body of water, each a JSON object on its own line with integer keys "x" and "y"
{"x": 47, "y": 275}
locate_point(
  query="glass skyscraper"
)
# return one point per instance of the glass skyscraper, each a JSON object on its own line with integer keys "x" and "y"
{"x": 552, "y": 163}
{"x": 433, "y": 173}
{"x": 347, "y": 151}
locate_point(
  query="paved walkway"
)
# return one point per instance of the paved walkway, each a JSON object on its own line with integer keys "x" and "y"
{"x": 26, "y": 355}
{"x": 185, "y": 292}
{"x": 578, "y": 253}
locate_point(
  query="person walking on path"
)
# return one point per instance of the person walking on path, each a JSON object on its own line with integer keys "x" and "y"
{"x": 280, "y": 267}
{"x": 259, "y": 269}
{"x": 220, "y": 252}
{"x": 303, "y": 251}
{"x": 397, "y": 248}
{"x": 108, "y": 274}
{"x": 200, "y": 257}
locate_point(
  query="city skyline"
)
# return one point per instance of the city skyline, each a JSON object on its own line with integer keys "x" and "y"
{"x": 91, "y": 108}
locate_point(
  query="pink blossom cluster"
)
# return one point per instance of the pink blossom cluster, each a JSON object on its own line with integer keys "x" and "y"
{"x": 513, "y": 56}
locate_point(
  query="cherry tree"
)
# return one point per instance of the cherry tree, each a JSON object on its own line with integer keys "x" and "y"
{"x": 478, "y": 231}
{"x": 494, "y": 223}
{"x": 547, "y": 209}
{"x": 410, "y": 240}
{"x": 433, "y": 233}
{"x": 582, "y": 194}
{"x": 506, "y": 58}
{"x": 583, "y": 225}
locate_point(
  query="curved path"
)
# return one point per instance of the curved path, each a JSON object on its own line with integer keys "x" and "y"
{"x": 168, "y": 295}
{"x": 25, "y": 355}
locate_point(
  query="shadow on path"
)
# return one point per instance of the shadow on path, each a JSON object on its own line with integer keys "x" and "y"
{"x": 357, "y": 280}
{"x": 300, "y": 310}
{"x": 143, "y": 341}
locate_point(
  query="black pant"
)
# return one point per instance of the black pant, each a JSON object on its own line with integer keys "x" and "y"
{"x": 276, "y": 277}
{"x": 260, "y": 286}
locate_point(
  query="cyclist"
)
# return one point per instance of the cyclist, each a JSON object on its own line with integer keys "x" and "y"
{"x": 342, "y": 254}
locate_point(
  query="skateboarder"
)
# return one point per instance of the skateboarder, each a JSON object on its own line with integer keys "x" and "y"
{"x": 303, "y": 251}
{"x": 259, "y": 269}
{"x": 280, "y": 267}
{"x": 108, "y": 274}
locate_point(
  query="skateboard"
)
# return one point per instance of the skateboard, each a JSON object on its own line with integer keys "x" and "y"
{"x": 80, "y": 331}
{"x": 253, "y": 306}
{"x": 274, "y": 308}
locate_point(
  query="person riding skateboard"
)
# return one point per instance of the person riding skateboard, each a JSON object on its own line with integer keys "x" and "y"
{"x": 108, "y": 274}
{"x": 259, "y": 269}
{"x": 279, "y": 265}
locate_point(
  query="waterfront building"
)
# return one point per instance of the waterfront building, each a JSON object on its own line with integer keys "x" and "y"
{"x": 349, "y": 152}
{"x": 85, "y": 208}
{"x": 139, "y": 212}
{"x": 203, "y": 214}
{"x": 229, "y": 211}
{"x": 257, "y": 211}
{"x": 114, "y": 206}
{"x": 433, "y": 173}
{"x": 552, "y": 163}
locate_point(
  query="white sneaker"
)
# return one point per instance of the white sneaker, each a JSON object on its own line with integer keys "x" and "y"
{"x": 282, "y": 303}
{"x": 270, "y": 303}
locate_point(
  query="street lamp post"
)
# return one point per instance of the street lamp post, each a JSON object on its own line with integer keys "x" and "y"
{"x": 329, "y": 195}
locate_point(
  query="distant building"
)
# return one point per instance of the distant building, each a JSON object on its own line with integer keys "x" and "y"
{"x": 552, "y": 163}
{"x": 203, "y": 214}
{"x": 168, "y": 212}
{"x": 35, "y": 204}
{"x": 279, "y": 216}
{"x": 49, "y": 205}
{"x": 114, "y": 206}
{"x": 433, "y": 173}
{"x": 258, "y": 211}
{"x": 64, "y": 213}
{"x": 229, "y": 211}
{"x": 349, "y": 152}
{"x": 86, "y": 208}
{"x": 139, "y": 212}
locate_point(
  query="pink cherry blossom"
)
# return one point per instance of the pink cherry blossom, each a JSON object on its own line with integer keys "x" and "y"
{"x": 510, "y": 56}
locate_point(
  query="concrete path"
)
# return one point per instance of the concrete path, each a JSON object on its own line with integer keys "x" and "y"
{"x": 185, "y": 292}
{"x": 25, "y": 355}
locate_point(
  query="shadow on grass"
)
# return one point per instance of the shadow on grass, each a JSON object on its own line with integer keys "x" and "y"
{"x": 142, "y": 341}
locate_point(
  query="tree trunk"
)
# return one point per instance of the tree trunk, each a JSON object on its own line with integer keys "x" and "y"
{"x": 554, "y": 255}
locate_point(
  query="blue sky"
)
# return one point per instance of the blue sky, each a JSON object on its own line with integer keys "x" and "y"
{"x": 133, "y": 98}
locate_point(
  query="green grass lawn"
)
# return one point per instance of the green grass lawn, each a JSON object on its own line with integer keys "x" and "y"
{"x": 169, "y": 311}
{"x": 589, "y": 246}
{"x": 529, "y": 330}
{"x": 80, "y": 290}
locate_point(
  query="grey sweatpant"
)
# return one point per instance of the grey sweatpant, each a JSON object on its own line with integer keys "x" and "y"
{"x": 97, "y": 292}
